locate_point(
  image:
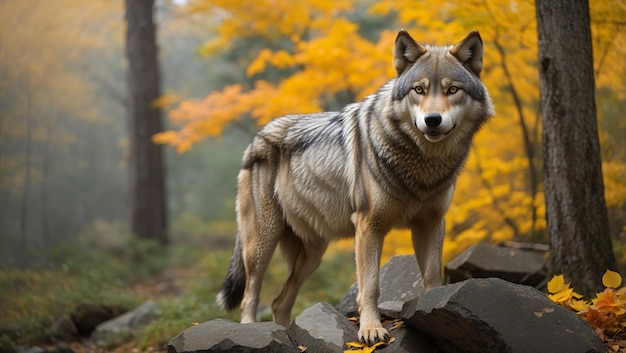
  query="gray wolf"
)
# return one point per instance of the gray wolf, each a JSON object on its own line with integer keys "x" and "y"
{"x": 389, "y": 161}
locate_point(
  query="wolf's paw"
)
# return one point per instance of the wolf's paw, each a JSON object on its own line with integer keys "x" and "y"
{"x": 372, "y": 335}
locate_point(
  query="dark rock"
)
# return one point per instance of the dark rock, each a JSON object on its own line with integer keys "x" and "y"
{"x": 11, "y": 331}
{"x": 63, "y": 329}
{"x": 60, "y": 349}
{"x": 34, "y": 349}
{"x": 226, "y": 336}
{"x": 322, "y": 328}
{"x": 400, "y": 281}
{"x": 87, "y": 316}
{"x": 409, "y": 341}
{"x": 122, "y": 328}
{"x": 485, "y": 260}
{"x": 391, "y": 309}
{"x": 492, "y": 315}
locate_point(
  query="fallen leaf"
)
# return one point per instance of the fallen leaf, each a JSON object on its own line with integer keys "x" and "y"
{"x": 362, "y": 348}
{"x": 396, "y": 323}
{"x": 611, "y": 279}
{"x": 556, "y": 284}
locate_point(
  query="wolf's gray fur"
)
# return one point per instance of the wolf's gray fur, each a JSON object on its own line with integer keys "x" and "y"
{"x": 390, "y": 161}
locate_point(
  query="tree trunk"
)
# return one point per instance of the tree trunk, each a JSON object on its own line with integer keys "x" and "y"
{"x": 575, "y": 208}
{"x": 147, "y": 173}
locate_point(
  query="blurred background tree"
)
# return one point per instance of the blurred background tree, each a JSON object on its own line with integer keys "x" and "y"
{"x": 148, "y": 199}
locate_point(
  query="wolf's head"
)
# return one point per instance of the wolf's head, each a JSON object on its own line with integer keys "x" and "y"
{"x": 441, "y": 86}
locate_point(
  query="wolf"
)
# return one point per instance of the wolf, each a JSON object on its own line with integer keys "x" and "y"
{"x": 389, "y": 161}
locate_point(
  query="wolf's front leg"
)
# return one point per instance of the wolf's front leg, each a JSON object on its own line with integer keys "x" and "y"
{"x": 427, "y": 240}
{"x": 368, "y": 247}
{"x": 427, "y": 233}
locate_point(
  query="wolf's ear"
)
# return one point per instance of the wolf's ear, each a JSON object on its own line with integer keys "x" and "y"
{"x": 405, "y": 52}
{"x": 469, "y": 52}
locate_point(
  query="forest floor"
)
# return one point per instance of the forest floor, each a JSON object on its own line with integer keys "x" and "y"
{"x": 162, "y": 287}
{"x": 182, "y": 282}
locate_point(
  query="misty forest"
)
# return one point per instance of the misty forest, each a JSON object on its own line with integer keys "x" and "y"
{"x": 119, "y": 160}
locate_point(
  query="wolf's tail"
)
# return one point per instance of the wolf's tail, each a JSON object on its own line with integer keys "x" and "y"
{"x": 231, "y": 295}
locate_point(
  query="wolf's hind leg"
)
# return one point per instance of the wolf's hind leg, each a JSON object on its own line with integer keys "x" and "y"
{"x": 261, "y": 224}
{"x": 257, "y": 255}
{"x": 304, "y": 258}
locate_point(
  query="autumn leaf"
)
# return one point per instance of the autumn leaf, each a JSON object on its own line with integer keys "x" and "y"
{"x": 560, "y": 292}
{"x": 358, "y": 347}
{"x": 611, "y": 279}
{"x": 556, "y": 284}
{"x": 609, "y": 302}
{"x": 579, "y": 305}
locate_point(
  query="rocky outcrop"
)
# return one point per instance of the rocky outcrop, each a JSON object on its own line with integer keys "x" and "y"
{"x": 401, "y": 280}
{"x": 82, "y": 321}
{"x": 306, "y": 330}
{"x": 103, "y": 325}
{"x": 87, "y": 316}
{"x": 485, "y": 260}
{"x": 124, "y": 327}
{"x": 227, "y": 336}
{"x": 475, "y": 315}
{"x": 494, "y": 316}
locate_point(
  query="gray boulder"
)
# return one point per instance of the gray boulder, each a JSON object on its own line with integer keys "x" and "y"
{"x": 493, "y": 315}
{"x": 123, "y": 328}
{"x": 322, "y": 328}
{"x": 63, "y": 329}
{"x": 485, "y": 260}
{"x": 227, "y": 336}
{"x": 87, "y": 316}
{"x": 400, "y": 281}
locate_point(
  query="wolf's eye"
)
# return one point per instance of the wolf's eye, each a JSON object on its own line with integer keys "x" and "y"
{"x": 419, "y": 90}
{"x": 453, "y": 89}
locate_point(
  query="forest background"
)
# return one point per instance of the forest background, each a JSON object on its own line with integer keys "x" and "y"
{"x": 229, "y": 67}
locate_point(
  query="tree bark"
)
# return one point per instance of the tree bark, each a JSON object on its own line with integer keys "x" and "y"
{"x": 575, "y": 208}
{"x": 147, "y": 172}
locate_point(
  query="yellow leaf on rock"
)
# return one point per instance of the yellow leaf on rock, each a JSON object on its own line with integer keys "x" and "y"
{"x": 354, "y": 344}
{"x": 611, "y": 279}
{"x": 556, "y": 284}
{"x": 363, "y": 348}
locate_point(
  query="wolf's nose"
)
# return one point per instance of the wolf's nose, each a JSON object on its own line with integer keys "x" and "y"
{"x": 432, "y": 119}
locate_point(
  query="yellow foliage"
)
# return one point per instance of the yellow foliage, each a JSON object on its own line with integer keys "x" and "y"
{"x": 358, "y": 347}
{"x": 614, "y": 176}
{"x": 605, "y": 312}
{"x": 165, "y": 101}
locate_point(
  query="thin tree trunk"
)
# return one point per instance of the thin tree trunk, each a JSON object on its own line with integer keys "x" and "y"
{"x": 147, "y": 172}
{"x": 575, "y": 208}
{"x": 529, "y": 145}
